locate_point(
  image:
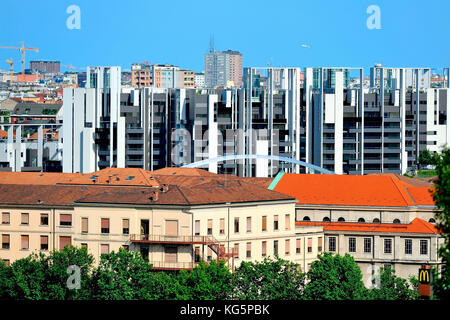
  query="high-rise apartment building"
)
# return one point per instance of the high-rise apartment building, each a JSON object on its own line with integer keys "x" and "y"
{"x": 45, "y": 66}
{"x": 352, "y": 129}
{"x": 223, "y": 69}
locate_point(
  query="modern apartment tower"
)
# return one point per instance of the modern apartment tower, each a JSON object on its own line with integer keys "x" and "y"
{"x": 354, "y": 129}
{"x": 223, "y": 69}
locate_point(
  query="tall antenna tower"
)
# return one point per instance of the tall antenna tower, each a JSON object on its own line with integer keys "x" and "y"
{"x": 211, "y": 43}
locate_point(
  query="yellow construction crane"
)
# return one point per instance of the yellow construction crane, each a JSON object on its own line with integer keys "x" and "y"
{"x": 70, "y": 67}
{"x": 11, "y": 72}
{"x": 22, "y": 49}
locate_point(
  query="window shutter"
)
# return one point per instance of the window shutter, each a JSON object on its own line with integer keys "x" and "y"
{"x": 105, "y": 223}
{"x": 104, "y": 248}
{"x": 25, "y": 218}
{"x": 65, "y": 218}
{"x": 24, "y": 240}
{"x": 197, "y": 226}
{"x": 84, "y": 224}
{"x": 44, "y": 239}
{"x": 287, "y": 222}
{"x": 222, "y": 224}
{"x": 5, "y": 238}
{"x": 126, "y": 223}
{"x": 172, "y": 228}
{"x": 309, "y": 242}
{"x": 64, "y": 241}
{"x": 320, "y": 241}
{"x": 5, "y": 217}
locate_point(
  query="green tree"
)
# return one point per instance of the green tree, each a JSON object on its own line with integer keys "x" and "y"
{"x": 44, "y": 277}
{"x": 442, "y": 215}
{"x": 276, "y": 279}
{"x": 425, "y": 158}
{"x": 208, "y": 281}
{"x": 393, "y": 287}
{"x": 335, "y": 277}
{"x": 122, "y": 275}
{"x": 5, "y": 281}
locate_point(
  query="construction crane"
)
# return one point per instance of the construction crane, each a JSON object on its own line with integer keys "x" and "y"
{"x": 70, "y": 67}
{"x": 22, "y": 49}
{"x": 11, "y": 63}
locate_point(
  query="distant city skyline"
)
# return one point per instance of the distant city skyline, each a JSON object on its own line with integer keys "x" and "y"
{"x": 303, "y": 34}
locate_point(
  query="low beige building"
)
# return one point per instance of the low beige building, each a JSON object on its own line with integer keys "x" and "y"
{"x": 174, "y": 218}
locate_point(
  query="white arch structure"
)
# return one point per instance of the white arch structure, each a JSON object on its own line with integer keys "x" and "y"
{"x": 257, "y": 156}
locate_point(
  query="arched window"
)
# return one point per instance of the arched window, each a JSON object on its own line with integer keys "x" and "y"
{"x": 361, "y": 220}
{"x": 376, "y": 220}
{"x": 306, "y": 218}
{"x": 326, "y": 219}
{"x": 396, "y": 221}
{"x": 432, "y": 220}
{"x": 341, "y": 219}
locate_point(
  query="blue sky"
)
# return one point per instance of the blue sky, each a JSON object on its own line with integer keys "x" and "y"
{"x": 413, "y": 33}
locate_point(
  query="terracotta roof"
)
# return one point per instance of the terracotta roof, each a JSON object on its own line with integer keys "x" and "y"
{"x": 352, "y": 190}
{"x": 129, "y": 186}
{"x": 416, "y": 226}
{"x": 422, "y": 196}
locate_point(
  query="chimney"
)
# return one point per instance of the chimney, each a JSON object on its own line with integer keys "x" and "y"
{"x": 164, "y": 188}
{"x": 154, "y": 197}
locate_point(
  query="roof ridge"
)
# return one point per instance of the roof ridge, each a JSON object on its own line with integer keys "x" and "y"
{"x": 183, "y": 195}
{"x": 401, "y": 193}
{"x": 424, "y": 223}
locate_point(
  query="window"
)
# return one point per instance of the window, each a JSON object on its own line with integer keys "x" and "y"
{"x": 341, "y": 219}
{"x": 275, "y": 222}
{"x": 287, "y": 222}
{"x": 236, "y": 225}
{"x": 24, "y": 241}
{"x": 5, "y": 218}
{"x": 197, "y": 227}
{"x": 65, "y": 220}
{"x": 376, "y": 220}
{"x": 209, "y": 254}
{"x": 126, "y": 226}
{"x": 306, "y": 218}
{"x": 423, "y": 247}
{"x": 44, "y": 242}
{"x": 275, "y": 247}
{"x": 5, "y": 241}
{"x": 396, "y": 221}
{"x": 104, "y": 225}
{"x": 64, "y": 241}
{"x": 126, "y": 247}
{"x": 298, "y": 246}
{"x": 387, "y": 245}
{"x": 367, "y": 245}
{"x": 326, "y": 219}
{"x": 236, "y": 251}
{"x": 210, "y": 226}
{"x": 319, "y": 245}
{"x": 264, "y": 248}
{"x": 197, "y": 254}
{"x": 408, "y": 246}
{"x": 310, "y": 245}
{"x": 431, "y": 220}
{"x": 287, "y": 247}
{"x": 84, "y": 225}
{"x": 249, "y": 249}
{"x": 361, "y": 220}
{"x": 84, "y": 245}
{"x": 44, "y": 219}
{"x": 104, "y": 248}
{"x": 249, "y": 224}
{"x": 332, "y": 244}
{"x": 264, "y": 223}
{"x": 222, "y": 226}
{"x": 24, "y": 218}
{"x": 352, "y": 244}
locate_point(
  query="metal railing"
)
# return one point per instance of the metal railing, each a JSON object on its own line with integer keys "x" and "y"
{"x": 167, "y": 238}
{"x": 173, "y": 265}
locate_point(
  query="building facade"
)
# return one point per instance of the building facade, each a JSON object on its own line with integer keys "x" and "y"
{"x": 173, "y": 225}
{"x": 223, "y": 69}
{"x": 45, "y": 66}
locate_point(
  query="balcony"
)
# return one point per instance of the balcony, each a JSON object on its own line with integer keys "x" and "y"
{"x": 150, "y": 238}
{"x": 162, "y": 265}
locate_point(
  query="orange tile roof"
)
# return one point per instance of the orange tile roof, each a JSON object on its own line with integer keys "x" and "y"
{"x": 183, "y": 172}
{"x": 351, "y": 190}
{"x": 416, "y": 226}
{"x": 422, "y": 196}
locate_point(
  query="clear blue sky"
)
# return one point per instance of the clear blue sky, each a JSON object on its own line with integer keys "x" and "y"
{"x": 413, "y": 33}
